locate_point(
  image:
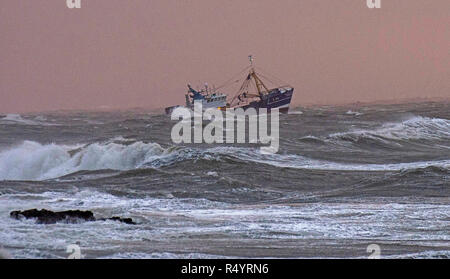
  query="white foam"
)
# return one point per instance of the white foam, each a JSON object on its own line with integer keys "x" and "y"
{"x": 302, "y": 162}
{"x": 417, "y": 127}
{"x": 440, "y": 254}
{"x": 212, "y": 173}
{"x": 34, "y": 161}
{"x": 4, "y": 254}
{"x": 295, "y": 112}
{"x": 168, "y": 219}
{"x": 355, "y": 113}
{"x": 163, "y": 255}
{"x": 17, "y": 119}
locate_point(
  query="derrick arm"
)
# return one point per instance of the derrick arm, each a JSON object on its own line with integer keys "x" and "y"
{"x": 258, "y": 83}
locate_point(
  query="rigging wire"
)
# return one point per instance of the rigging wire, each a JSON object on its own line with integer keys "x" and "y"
{"x": 243, "y": 87}
{"x": 247, "y": 83}
{"x": 272, "y": 76}
{"x": 229, "y": 81}
{"x": 267, "y": 79}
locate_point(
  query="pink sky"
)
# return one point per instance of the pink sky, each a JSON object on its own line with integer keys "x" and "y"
{"x": 142, "y": 53}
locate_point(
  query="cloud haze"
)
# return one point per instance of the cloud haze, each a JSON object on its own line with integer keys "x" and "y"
{"x": 117, "y": 53}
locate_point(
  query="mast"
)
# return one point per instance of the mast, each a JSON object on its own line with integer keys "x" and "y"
{"x": 258, "y": 82}
{"x": 243, "y": 93}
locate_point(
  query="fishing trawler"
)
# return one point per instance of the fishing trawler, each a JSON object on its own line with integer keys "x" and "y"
{"x": 208, "y": 99}
{"x": 253, "y": 93}
{"x": 262, "y": 98}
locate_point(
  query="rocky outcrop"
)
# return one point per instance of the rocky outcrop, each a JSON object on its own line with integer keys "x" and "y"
{"x": 128, "y": 221}
{"x": 49, "y": 217}
{"x": 44, "y": 216}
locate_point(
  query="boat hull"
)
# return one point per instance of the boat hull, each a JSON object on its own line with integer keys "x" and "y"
{"x": 276, "y": 99}
{"x": 169, "y": 110}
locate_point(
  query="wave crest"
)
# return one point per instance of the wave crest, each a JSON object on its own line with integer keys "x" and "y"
{"x": 34, "y": 161}
{"x": 416, "y": 128}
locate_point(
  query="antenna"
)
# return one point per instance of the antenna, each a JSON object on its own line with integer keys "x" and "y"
{"x": 250, "y": 57}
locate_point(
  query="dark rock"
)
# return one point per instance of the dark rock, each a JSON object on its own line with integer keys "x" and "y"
{"x": 128, "y": 221}
{"x": 49, "y": 217}
{"x": 70, "y": 216}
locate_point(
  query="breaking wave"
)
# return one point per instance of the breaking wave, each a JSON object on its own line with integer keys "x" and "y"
{"x": 355, "y": 113}
{"x": 17, "y": 119}
{"x": 302, "y": 162}
{"x": 416, "y": 128}
{"x": 34, "y": 161}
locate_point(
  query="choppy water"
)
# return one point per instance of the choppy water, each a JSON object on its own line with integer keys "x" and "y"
{"x": 345, "y": 177}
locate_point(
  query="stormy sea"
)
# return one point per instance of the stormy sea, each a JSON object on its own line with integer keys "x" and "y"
{"x": 345, "y": 178}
